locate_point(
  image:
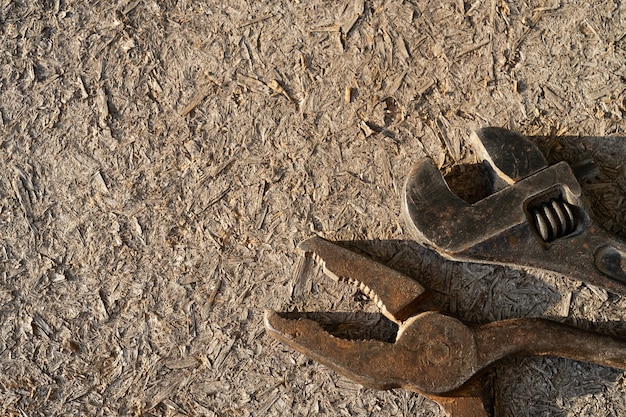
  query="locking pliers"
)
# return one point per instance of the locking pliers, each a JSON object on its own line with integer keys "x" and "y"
{"x": 534, "y": 217}
{"x": 433, "y": 354}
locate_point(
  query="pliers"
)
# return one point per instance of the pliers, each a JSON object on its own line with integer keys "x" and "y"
{"x": 434, "y": 354}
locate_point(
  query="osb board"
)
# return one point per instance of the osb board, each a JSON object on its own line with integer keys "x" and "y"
{"x": 161, "y": 159}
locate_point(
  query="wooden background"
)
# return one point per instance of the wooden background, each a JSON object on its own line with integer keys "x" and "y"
{"x": 160, "y": 160}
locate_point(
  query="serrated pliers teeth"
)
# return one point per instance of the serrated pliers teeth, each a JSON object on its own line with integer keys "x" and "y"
{"x": 396, "y": 295}
{"x": 354, "y": 359}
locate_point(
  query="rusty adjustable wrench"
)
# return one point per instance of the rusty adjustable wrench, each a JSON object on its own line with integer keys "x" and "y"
{"x": 535, "y": 217}
{"x": 434, "y": 354}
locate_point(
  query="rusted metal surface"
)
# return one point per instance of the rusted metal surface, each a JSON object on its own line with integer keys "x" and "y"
{"x": 433, "y": 354}
{"x": 534, "y": 217}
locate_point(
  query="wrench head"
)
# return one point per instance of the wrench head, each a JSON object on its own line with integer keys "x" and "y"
{"x": 521, "y": 179}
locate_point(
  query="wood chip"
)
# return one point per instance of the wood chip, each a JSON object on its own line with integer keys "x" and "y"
{"x": 197, "y": 99}
{"x": 214, "y": 291}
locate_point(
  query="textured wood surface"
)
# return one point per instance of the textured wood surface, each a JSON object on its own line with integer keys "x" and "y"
{"x": 160, "y": 160}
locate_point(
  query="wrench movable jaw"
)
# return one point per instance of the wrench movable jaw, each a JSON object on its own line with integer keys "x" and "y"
{"x": 510, "y": 155}
{"x": 538, "y": 220}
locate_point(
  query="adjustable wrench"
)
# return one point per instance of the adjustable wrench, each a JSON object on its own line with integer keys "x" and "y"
{"x": 534, "y": 218}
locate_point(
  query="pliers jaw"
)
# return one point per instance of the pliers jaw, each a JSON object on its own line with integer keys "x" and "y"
{"x": 354, "y": 359}
{"x": 432, "y": 353}
{"x": 372, "y": 363}
{"x": 396, "y": 295}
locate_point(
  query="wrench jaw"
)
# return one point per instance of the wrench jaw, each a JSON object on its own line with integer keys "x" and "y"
{"x": 510, "y": 155}
{"x": 431, "y": 210}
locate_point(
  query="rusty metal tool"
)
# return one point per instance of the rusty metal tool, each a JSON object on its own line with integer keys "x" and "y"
{"x": 535, "y": 216}
{"x": 434, "y": 354}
